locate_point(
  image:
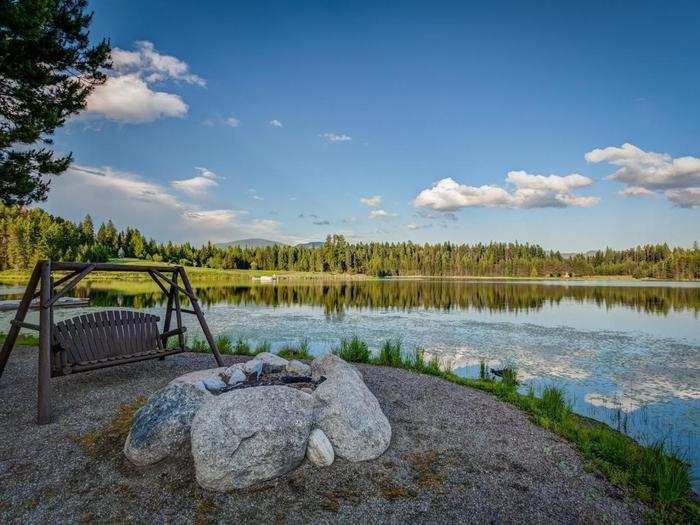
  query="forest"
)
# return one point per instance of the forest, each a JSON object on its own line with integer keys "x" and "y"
{"x": 30, "y": 234}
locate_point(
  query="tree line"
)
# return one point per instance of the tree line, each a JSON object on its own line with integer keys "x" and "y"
{"x": 28, "y": 235}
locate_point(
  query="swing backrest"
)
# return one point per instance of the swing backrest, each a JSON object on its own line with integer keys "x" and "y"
{"x": 105, "y": 338}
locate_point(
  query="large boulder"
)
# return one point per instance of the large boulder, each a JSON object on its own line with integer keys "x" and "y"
{"x": 250, "y": 435}
{"x": 198, "y": 377}
{"x": 348, "y": 413}
{"x": 271, "y": 362}
{"x": 161, "y": 427}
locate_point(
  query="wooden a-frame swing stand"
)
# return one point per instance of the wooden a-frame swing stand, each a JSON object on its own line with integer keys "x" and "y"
{"x": 102, "y": 339}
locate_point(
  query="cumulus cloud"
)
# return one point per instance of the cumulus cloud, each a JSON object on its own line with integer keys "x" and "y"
{"x": 413, "y": 226}
{"x": 381, "y": 215}
{"x": 531, "y": 191}
{"x": 128, "y": 96}
{"x": 276, "y": 123}
{"x": 232, "y": 122}
{"x": 197, "y": 186}
{"x": 130, "y": 100}
{"x": 372, "y": 201}
{"x": 335, "y": 137}
{"x": 130, "y": 199}
{"x": 645, "y": 172}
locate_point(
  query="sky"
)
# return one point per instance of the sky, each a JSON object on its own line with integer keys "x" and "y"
{"x": 572, "y": 125}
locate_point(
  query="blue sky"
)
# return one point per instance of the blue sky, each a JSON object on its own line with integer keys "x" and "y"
{"x": 430, "y": 122}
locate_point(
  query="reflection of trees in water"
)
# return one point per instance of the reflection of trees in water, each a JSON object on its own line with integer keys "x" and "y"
{"x": 336, "y": 297}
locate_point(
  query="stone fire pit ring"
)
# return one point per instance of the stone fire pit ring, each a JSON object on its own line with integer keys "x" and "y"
{"x": 258, "y": 420}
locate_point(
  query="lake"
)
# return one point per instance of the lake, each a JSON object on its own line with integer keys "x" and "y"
{"x": 627, "y": 353}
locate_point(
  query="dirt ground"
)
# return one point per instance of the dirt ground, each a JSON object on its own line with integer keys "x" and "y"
{"x": 456, "y": 456}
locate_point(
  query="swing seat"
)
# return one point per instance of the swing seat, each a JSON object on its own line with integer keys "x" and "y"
{"x": 108, "y": 338}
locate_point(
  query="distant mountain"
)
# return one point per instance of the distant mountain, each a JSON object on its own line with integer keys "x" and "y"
{"x": 248, "y": 243}
{"x": 312, "y": 244}
{"x": 569, "y": 255}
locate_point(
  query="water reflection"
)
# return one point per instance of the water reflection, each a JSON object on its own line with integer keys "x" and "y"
{"x": 337, "y": 297}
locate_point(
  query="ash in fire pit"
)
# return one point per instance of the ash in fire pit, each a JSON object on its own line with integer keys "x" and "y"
{"x": 257, "y": 420}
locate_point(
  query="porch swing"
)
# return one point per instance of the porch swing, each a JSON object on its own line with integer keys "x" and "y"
{"x": 103, "y": 339}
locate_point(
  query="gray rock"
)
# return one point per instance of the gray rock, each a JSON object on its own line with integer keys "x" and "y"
{"x": 329, "y": 365}
{"x": 161, "y": 428}
{"x": 348, "y": 413}
{"x": 319, "y": 450}
{"x": 271, "y": 362}
{"x": 297, "y": 367}
{"x": 250, "y": 435}
{"x": 234, "y": 374}
{"x": 254, "y": 366}
{"x": 195, "y": 378}
{"x": 214, "y": 384}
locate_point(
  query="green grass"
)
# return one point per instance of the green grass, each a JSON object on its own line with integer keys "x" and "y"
{"x": 296, "y": 352}
{"x": 22, "y": 339}
{"x": 390, "y": 354}
{"x": 263, "y": 347}
{"x": 353, "y": 350}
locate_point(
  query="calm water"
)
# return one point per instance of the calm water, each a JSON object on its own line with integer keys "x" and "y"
{"x": 626, "y": 353}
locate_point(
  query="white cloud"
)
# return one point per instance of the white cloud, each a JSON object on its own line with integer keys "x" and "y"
{"x": 232, "y": 122}
{"x": 635, "y": 191}
{"x": 197, "y": 186}
{"x": 678, "y": 178}
{"x": 154, "y": 65}
{"x": 129, "y": 99}
{"x": 531, "y": 191}
{"x": 413, "y": 226}
{"x": 335, "y": 137}
{"x": 685, "y": 198}
{"x": 276, "y": 123}
{"x": 130, "y": 199}
{"x": 381, "y": 214}
{"x": 127, "y": 95}
{"x": 372, "y": 202}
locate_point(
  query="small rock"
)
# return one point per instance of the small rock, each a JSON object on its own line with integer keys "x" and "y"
{"x": 234, "y": 374}
{"x": 319, "y": 450}
{"x": 195, "y": 378}
{"x": 161, "y": 427}
{"x": 254, "y": 366}
{"x": 271, "y": 362}
{"x": 297, "y": 367}
{"x": 214, "y": 384}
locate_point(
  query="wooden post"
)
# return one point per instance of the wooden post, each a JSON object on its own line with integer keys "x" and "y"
{"x": 200, "y": 317}
{"x": 22, "y": 310}
{"x": 44, "y": 385}
{"x": 178, "y": 312}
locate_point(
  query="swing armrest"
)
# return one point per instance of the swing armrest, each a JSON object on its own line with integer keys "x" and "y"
{"x": 170, "y": 333}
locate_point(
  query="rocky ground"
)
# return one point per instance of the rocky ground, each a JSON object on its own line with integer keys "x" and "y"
{"x": 456, "y": 455}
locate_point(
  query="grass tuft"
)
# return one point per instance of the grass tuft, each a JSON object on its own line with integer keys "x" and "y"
{"x": 262, "y": 347}
{"x": 296, "y": 352}
{"x": 353, "y": 350}
{"x": 390, "y": 354}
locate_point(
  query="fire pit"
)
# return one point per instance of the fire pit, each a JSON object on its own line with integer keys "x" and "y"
{"x": 257, "y": 420}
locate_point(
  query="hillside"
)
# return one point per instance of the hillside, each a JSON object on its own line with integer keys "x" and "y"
{"x": 248, "y": 243}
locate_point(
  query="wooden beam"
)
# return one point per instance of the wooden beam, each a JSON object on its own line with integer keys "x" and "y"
{"x": 178, "y": 313}
{"x": 60, "y": 281}
{"x": 200, "y": 317}
{"x": 172, "y": 282}
{"x": 72, "y": 284}
{"x": 157, "y": 281}
{"x": 21, "y": 313}
{"x": 44, "y": 385}
{"x": 110, "y": 267}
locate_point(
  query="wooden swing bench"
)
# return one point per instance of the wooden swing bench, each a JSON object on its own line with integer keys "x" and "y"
{"x": 102, "y": 339}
